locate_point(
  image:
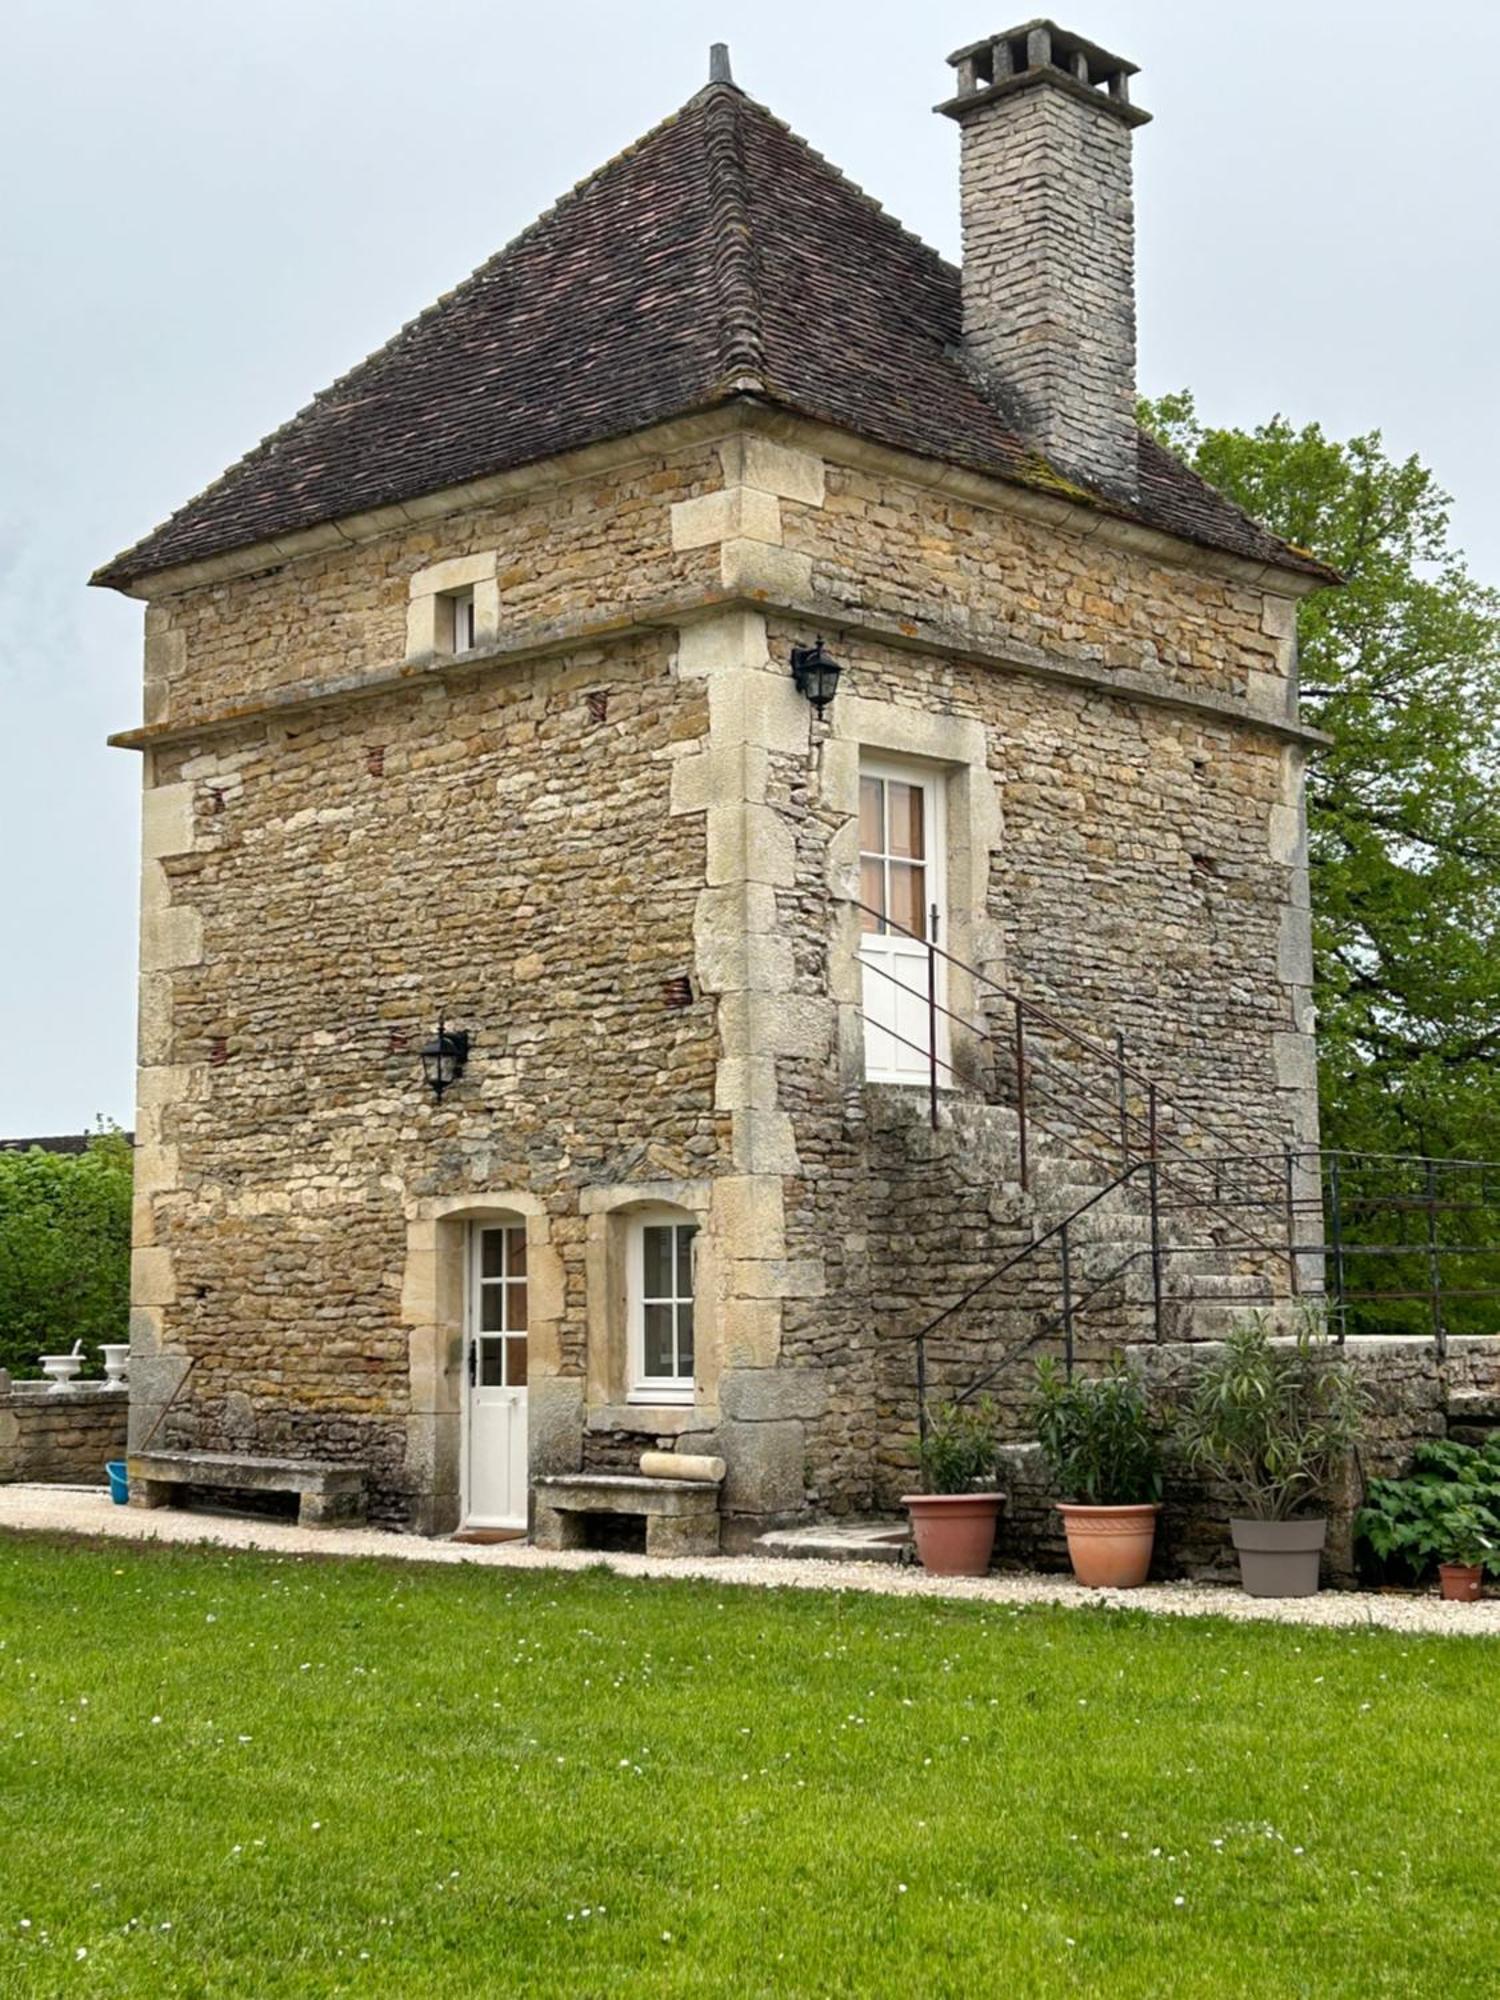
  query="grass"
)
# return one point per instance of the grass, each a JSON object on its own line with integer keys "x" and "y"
{"x": 236, "y": 1775}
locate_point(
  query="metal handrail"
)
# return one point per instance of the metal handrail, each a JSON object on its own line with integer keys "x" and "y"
{"x": 1094, "y": 1114}
{"x": 1033, "y": 1011}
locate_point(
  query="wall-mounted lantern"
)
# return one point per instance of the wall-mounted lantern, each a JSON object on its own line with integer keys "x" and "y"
{"x": 443, "y": 1058}
{"x": 816, "y": 674}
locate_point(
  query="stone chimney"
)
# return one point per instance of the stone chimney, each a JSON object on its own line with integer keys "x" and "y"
{"x": 1049, "y": 241}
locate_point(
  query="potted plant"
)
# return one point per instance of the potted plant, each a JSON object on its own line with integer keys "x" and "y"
{"x": 1103, "y": 1452}
{"x": 1273, "y": 1419}
{"x": 1467, "y": 1538}
{"x": 1445, "y": 1512}
{"x": 953, "y": 1517}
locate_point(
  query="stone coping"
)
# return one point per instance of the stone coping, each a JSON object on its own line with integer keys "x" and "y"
{"x": 31, "y": 1387}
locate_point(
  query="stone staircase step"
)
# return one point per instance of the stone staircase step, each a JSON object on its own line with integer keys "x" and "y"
{"x": 1472, "y": 1406}
{"x": 871, "y": 1541}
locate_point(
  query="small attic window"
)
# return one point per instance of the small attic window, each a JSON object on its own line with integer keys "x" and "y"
{"x": 455, "y": 622}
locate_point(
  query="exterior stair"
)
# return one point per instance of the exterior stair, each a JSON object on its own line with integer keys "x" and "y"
{"x": 1473, "y": 1415}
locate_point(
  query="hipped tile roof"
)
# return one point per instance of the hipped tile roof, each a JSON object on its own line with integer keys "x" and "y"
{"x": 719, "y": 256}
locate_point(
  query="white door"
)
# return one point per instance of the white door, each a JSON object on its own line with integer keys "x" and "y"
{"x": 901, "y": 888}
{"x": 495, "y": 1365}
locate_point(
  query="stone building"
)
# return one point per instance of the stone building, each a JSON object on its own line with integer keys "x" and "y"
{"x": 469, "y": 702}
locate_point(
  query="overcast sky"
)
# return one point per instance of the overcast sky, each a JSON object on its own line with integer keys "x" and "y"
{"x": 213, "y": 208}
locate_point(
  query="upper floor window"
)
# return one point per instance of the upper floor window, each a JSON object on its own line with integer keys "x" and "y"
{"x": 452, "y": 606}
{"x": 659, "y": 1281}
{"x": 456, "y": 621}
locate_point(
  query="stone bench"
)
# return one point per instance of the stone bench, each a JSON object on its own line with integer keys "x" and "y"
{"x": 682, "y": 1515}
{"x": 326, "y": 1494}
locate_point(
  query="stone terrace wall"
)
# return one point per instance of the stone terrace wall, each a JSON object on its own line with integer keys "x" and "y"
{"x": 60, "y": 1436}
{"x": 495, "y": 847}
{"x": 1409, "y": 1389}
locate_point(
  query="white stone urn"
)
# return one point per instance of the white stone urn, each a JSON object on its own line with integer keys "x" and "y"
{"x": 116, "y": 1360}
{"x": 60, "y": 1369}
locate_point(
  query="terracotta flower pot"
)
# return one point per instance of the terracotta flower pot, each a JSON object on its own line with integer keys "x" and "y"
{"x": 954, "y": 1532}
{"x": 1279, "y": 1558}
{"x": 1461, "y": 1583}
{"x": 1110, "y": 1547}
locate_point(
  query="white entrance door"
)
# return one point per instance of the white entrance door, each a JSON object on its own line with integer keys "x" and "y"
{"x": 495, "y": 1427}
{"x": 901, "y": 888}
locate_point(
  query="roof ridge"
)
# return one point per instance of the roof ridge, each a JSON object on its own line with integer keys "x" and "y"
{"x": 742, "y": 353}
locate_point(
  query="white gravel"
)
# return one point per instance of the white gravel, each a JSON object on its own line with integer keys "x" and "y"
{"x": 85, "y": 1511}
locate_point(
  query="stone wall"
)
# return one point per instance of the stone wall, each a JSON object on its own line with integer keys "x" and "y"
{"x": 1414, "y": 1396}
{"x": 59, "y": 1437}
{"x": 340, "y": 616}
{"x": 544, "y": 841}
{"x": 495, "y": 849}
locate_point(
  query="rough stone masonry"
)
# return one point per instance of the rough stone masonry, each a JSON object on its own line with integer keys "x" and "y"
{"x": 612, "y": 842}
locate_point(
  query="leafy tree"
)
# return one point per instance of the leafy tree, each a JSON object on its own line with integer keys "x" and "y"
{"x": 64, "y": 1250}
{"x": 1401, "y": 666}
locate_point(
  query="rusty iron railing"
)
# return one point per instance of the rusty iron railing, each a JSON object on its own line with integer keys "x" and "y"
{"x": 1326, "y": 1227}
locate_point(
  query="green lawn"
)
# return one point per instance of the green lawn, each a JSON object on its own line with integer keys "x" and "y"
{"x": 244, "y": 1776}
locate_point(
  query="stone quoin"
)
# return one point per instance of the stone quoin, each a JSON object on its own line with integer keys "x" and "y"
{"x": 467, "y": 699}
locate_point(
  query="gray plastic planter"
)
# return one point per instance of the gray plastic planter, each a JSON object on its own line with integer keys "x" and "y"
{"x": 1279, "y": 1558}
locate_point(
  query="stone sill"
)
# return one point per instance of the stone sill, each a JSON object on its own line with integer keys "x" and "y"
{"x": 653, "y": 1419}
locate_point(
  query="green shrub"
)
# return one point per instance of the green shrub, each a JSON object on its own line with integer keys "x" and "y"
{"x": 1098, "y": 1435}
{"x": 64, "y": 1251}
{"x": 1447, "y": 1510}
{"x": 960, "y": 1453}
{"x": 1273, "y": 1420}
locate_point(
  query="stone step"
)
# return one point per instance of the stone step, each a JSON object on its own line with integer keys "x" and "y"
{"x": 839, "y": 1541}
{"x": 1472, "y": 1406}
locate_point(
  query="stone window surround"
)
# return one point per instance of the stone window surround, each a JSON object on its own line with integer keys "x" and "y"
{"x": 958, "y": 749}
{"x": 428, "y": 588}
{"x": 639, "y": 1389}
{"x": 609, "y": 1213}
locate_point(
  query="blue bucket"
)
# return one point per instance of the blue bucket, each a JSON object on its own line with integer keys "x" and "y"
{"x": 119, "y": 1485}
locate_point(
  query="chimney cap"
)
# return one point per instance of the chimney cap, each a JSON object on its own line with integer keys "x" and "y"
{"x": 1039, "y": 52}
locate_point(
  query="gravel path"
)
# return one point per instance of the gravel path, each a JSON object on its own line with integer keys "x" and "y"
{"x": 85, "y": 1511}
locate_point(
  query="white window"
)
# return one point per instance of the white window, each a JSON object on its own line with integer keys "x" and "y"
{"x": 659, "y": 1280}
{"x": 500, "y": 1297}
{"x": 901, "y": 896}
{"x": 456, "y": 621}
{"x": 896, "y": 809}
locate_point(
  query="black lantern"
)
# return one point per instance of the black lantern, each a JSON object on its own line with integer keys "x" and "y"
{"x": 443, "y": 1058}
{"x": 816, "y": 673}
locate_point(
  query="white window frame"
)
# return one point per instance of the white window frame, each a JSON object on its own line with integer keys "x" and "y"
{"x": 506, "y": 1285}
{"x": 928, "y": 780}
{"x": 458, "y": 618}
{"x": 932, "y": 781}
{"x": 643, "y": 1388}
